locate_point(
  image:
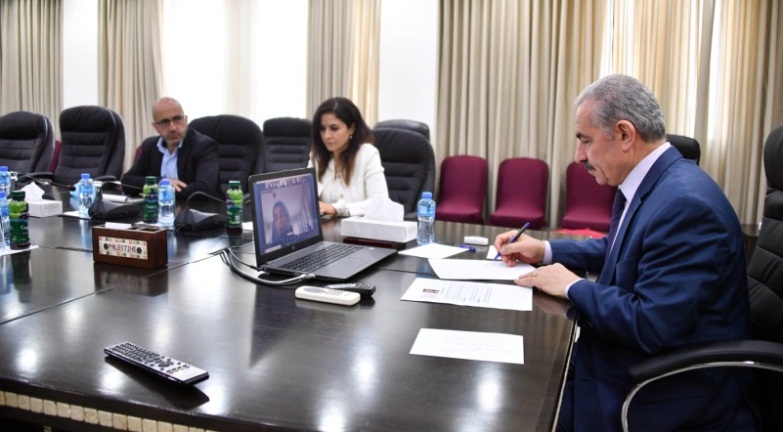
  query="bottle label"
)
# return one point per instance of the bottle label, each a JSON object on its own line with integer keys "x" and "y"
{"x": 234, "y": 216}
{"x": 150, "y": 207}
{"x": 20, "y": 236}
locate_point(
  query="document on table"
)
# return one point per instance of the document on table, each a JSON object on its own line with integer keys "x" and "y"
{"x": 477, "y": 269}
{"x": 433, "y": 250}
{"x": 486, "y": 295}
{"x": 496, "y": 347}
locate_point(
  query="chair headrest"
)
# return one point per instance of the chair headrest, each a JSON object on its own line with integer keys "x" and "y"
{"x": 228, "y": 128}
{"x": 22, "y": 125}
{"x": 87, "y": 119}
{"x": 287, "y": 126}
{"x": 773, "y": 157}
{"x": 401, "y": 145}
{"x": 411, "y": 125}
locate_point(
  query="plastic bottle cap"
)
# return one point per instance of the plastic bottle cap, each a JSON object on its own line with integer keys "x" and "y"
{"x": 3, "y": 168}
{"x": 85, "y": 176}
{"x": 426, "y": 195}
{"x": 18, "y": 195}
{"x": 165, "y": 182}
{"x": 236, "y": 183}
{"x": 150, "y": 179}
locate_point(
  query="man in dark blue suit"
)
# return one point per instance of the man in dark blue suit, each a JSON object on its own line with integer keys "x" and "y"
{"x": 181, "y": 154}
{"x": 672, "y": 273}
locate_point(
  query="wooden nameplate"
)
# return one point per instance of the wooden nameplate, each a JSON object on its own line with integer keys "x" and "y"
{"x": 144, "y": 247}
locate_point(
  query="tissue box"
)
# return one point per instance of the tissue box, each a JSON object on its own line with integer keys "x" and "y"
{"x": 44, "y": 208}
{"x": 400, "y": 232}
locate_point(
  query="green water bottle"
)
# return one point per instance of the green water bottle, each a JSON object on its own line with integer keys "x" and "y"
{"x": 149, "y": 213}
{"x": 234, "y": 202}
{"x": 18, "y": 215}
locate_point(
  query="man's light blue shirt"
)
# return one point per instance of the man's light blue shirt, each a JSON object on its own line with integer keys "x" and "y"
{"x": 168, "y": 168}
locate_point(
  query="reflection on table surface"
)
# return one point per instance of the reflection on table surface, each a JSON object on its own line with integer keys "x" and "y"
{"x": 274, "y": 361}
{"x": 279, "y": 361}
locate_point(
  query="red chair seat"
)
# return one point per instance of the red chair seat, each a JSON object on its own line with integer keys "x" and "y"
{"x": 588, "y": 204}
{"x": 521, "y": 193}
{"x": 463, "y": 189}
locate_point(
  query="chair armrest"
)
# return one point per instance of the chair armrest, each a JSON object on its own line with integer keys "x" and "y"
{"x": 755, "y": 351}
{"x": 743, "y": 353}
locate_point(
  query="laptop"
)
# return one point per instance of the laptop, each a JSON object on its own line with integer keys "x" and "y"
{"x": 287, "y": 230}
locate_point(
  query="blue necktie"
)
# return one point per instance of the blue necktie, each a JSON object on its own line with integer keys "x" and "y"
{"x": 617, "y": 212}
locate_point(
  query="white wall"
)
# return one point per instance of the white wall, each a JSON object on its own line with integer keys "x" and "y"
{"x": 80, "y": 52}
{"x": 408, "y": 59}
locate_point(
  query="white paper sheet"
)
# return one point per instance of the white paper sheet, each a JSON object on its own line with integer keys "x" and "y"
{"x": 477, "y": 269}
{"x": 492, "y": 253}
{"x": 9, "y": 251}
{"x": 495, "y": 347}
{"x": 486, "y": 295}
{"x": 433, "y": 250}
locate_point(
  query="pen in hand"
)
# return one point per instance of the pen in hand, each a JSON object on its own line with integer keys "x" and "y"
{"x": 515, "y": 238}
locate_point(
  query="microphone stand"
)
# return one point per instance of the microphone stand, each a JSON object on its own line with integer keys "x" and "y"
{"x": 190, "y": 219}
{"x": 108, "y": 209}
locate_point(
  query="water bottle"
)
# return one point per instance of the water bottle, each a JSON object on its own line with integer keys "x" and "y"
{"x": 5, "y": 181}
{"x": 166, "y": 199}
{"x": 425, "y": 210}
{"x": 18, "y": 216}
{"x": 85, "y": 190}
{"x": 234, "y": 202}
{"x": 5, "y": 222}
{"x": 149, "y": 212}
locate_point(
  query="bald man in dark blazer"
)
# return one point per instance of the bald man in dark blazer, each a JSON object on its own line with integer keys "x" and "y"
{"x": 186, "y": 157}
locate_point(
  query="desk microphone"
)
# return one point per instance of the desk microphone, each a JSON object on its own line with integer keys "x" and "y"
{"x": 190, "y": 219}
{"x": 44, "y": 182}
{"x": 106, "y": 209}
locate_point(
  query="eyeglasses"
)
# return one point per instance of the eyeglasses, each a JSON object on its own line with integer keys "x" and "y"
{"x": 177, "y": 120}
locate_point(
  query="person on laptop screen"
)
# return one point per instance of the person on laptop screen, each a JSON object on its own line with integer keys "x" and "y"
{"x": 281, "y": 223}
{"x": 347, "y": 164}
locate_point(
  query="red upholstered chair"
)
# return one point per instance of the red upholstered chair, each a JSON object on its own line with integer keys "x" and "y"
{"x": 588, "y": 204}
{"x": 463, "y": 189}
{"x": 55, "y": 156}
{"x": 521, "y": 193}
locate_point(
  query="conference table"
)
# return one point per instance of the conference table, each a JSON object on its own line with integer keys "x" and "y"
{"x": 275, "y": 362}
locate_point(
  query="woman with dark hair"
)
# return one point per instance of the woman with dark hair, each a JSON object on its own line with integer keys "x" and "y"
{"x": 281, "y": 223}
{"x": 347, "y": 164}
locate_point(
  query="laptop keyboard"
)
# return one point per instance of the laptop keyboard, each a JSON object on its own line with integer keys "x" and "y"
{"x": 321, "y": 258}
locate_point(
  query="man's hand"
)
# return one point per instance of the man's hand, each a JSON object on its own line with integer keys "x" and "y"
{"x": 178, "y": 185}
{"x": 526, "y": 249}
{"x": 552, "y": 279}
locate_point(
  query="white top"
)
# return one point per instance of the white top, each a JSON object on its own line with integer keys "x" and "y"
{"x": 367, "y": 182}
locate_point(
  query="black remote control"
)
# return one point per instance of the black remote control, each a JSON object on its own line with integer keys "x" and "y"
{"x": 175, "y": 370}
{"x": 365, "y": 289}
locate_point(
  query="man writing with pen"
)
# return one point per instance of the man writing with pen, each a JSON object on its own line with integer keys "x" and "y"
{"x": 671, "y": 273}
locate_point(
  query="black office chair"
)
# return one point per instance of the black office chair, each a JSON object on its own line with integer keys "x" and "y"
{"x": 92, "y": 140}
{"x": 26, "y": 142}
{"x": 408, "y": 164}
{"x": 688, "y": 147}
{"x": 765, "y": 283}
{"x": 412, "y": 125}
{"x": 287, "y": 142}
{"x": 239, "y": 142}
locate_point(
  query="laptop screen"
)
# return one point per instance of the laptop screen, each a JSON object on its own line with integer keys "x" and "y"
{"x": 285, "y": 212}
